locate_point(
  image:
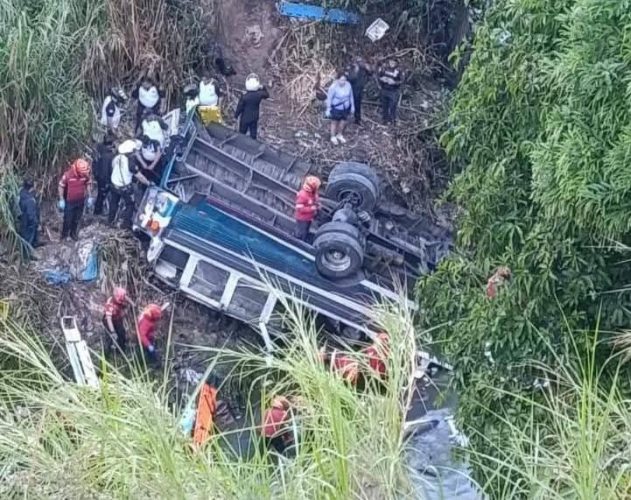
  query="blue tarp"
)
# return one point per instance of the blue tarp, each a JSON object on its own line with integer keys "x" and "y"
{"x": 317, "y": 13}
{"x": 91, "y": 270}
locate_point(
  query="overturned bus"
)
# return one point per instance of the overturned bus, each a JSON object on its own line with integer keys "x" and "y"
{"x": 222, "y": 231}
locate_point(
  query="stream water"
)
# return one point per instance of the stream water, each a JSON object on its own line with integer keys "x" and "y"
{"x": 436, "y": 472}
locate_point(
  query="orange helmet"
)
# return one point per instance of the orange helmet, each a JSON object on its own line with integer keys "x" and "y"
{"x": 312, "y": 183}
{"x": 153, "y": 311}
{"x": 81, "y": 168}
{"x": 120, "y": 294}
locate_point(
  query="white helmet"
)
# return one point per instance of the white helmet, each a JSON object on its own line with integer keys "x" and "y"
{"x": 252, "y": 82}
{"x": 129, "y": 146}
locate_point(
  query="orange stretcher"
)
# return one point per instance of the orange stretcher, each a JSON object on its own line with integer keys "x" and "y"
{"x": 206, "y": 406}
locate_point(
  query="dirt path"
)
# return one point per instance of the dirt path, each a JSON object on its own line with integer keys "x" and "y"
{"x": 249, "y": 32}
{"x": 287, "y": 56}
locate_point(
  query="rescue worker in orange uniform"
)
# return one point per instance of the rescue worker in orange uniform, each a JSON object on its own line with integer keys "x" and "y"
{"x": 377, "y": 354}
{"x": 275, "y": 429}
{"x": 147, "y": 325}
{"x": 307, "y": 205}
{"x": 74, "y": 190}
{"x": 113, "y": 316}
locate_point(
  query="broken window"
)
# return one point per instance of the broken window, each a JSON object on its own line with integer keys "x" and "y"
{"x": 209, "y": 280}
{"x": 248, "y": 301}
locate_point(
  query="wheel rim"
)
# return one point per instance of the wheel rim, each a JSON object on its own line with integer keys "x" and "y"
{"x": 336, "y": 260}
{"x": 352, "y": 197}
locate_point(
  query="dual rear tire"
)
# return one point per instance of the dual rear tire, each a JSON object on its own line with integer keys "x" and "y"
{"x": 339, "y": 245}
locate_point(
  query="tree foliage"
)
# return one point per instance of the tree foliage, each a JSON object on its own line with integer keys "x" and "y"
{"x": 541, "y": 125}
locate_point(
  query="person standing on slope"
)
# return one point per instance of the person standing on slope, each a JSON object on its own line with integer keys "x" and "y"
{"x": 358, "y": 75}
{"x": 249, "y": 103}
{"x": 113, "y": 319}
{"x": 74, "y": 190}
{"x": 147, "y": 326}
{"x": 390, "y": 81}
{"x": 29, "y": 218}
{"x": 339, "y": 106}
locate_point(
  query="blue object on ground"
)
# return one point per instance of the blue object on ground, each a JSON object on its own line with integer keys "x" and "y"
{"x": 55, "y": 277}
{"x": 187, "y": 421}
{"x": 91, "y": 270}
{"x": 317, "y": 13}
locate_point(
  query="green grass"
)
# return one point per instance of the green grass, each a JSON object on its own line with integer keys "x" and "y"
{"x": 61, "y": 440}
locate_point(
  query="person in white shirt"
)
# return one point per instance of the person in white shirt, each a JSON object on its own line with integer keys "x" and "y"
{"x": 111, "y": 109}
{"x": 124, "y": 170}
{"x": 209, "y": 101}
{"x": 148, "y": 157}
{"x": 155, "y": 128}
{"x": 149, "y": 99}
{"x": 209, "y": 94}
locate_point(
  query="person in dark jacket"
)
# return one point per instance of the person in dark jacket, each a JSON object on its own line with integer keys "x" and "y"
{"x": 358, "y": 75}
{"x": 390, "y": 80}
{"x": 248, "y": 107}
{"x": 29, "y": 217}
{"x": 103, "y": 171}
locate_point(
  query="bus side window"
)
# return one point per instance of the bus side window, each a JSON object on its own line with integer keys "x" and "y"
{"x": 209, "y": 280}
{"x": 248, "y": 301}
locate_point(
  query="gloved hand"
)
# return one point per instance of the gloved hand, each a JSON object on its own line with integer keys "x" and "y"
{"x": 90, "y": 202}
{"x": 327, "y": 113}
{"x": 151, "y": 348}
{"x": 61, "y": 205}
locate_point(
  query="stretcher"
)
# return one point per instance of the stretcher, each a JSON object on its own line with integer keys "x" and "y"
{"x": 78, "y": 354}
{"x": 204, "y": 418}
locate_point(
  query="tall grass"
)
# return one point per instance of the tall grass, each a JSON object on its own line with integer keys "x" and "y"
{"x": 575, "y": 443}
{"x": 61, "y": 440}
{"x": 53, "y": 52}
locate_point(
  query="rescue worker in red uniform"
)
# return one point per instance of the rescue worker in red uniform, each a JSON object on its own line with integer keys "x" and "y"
{"x": 275, "y": 429}
{"x": 500, "y": 277}
{"x": 343, "y": 365}
{"x": 147, "y": 324}
{"x": 113, "y": 316}
{"x": 377, "y": 354}
{"x": 307, "y": 205}
{"x": 74, "y": 190}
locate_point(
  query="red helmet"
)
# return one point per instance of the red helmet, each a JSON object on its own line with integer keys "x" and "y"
{"x": 81, "y": 168}
{"x": 153, "y": 311}
{"x": 280, "y": 402}
{"x": 120, "y": 294}
{"x": 312, "y": 183}
{"x": 382, "y": 338}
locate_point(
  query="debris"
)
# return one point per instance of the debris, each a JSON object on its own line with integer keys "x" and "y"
{"x": 78, "y": 353}
{"x": 377, "y": 29}
{"x": 316, "y": 13}
{"x": 254, "y": 35}
{"x": 206, "y": 406}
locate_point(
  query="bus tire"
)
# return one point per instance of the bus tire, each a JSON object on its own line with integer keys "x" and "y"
{"x": 338, "y": 255}
{"x": 356, "y": 183}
